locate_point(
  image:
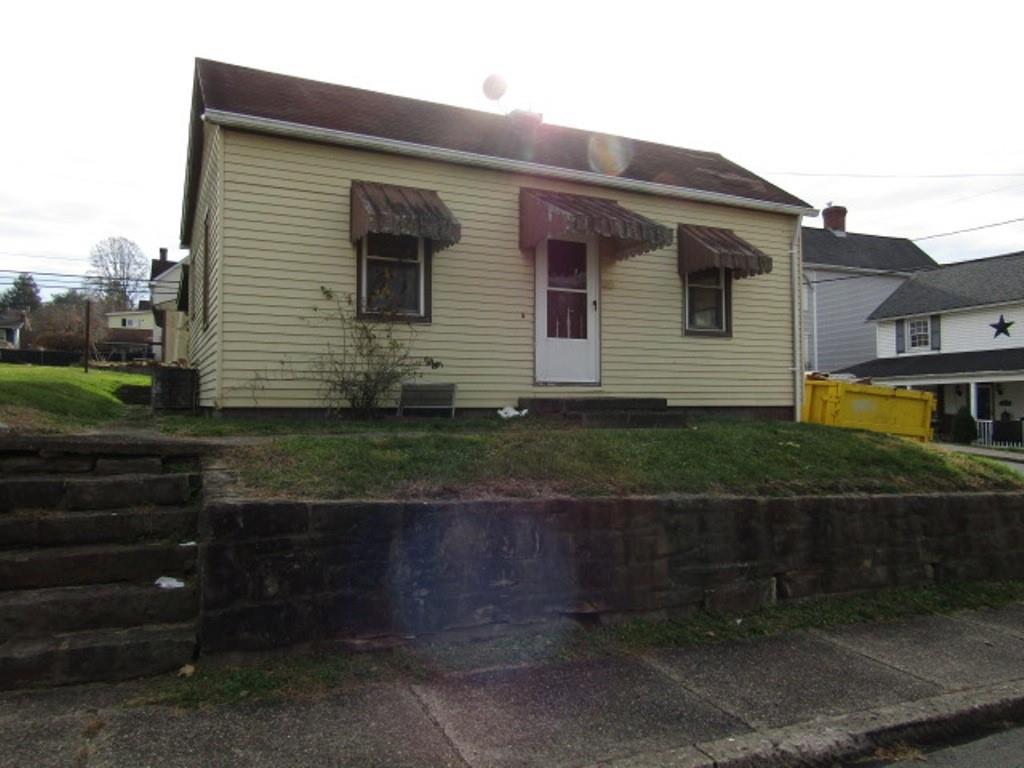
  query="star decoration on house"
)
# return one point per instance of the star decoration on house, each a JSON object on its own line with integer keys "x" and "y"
{"x": 1002, "y": 327}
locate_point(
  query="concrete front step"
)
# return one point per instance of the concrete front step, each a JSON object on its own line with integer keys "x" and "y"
{"x": 638, "y": 419}
{"x": 113, "y": 492}
{"x": 32, "y": 613}
{"x": 545, "y": 406}
{"x": 57, "y": 528}
{"x": 71, "y": 566}
{"x": 106, "y": 654}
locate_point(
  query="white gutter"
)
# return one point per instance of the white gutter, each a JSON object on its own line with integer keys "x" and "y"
{"x": 376, "y": 143}
{"x": 796, "y": 272}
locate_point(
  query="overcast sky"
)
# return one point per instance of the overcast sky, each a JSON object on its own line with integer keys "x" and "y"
{"x": 908, "y": 113}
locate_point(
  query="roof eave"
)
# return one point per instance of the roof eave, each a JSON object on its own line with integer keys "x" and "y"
{"x": 394, "y": 146}
{"x": 945, "y": 310}
{"x": 193, "y": 160}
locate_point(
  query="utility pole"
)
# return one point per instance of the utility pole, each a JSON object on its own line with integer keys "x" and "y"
{"x": 88, "y": 334}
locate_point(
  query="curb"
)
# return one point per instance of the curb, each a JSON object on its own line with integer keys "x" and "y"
{"x": 823, "y": 741}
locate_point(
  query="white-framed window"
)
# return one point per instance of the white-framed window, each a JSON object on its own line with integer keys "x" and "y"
{"x": 707, "y": 301}
{"x": 919, "y": 333}
{"x": 394, "y": 275}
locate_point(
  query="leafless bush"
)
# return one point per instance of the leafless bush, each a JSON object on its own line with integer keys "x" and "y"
{"x": 367, "y": 358}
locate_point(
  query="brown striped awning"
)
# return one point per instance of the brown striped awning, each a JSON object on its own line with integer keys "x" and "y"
{"x": 712, "y": 247}
{"x": 394, "y": 210}
{"x": 544, "y": 214}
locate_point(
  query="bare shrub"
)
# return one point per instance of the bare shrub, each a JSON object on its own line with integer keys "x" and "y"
{"x": 367, "y": 358}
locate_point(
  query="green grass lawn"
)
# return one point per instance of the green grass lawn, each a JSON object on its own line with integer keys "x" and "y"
{"x": 532, "y": 458}
{"x": 44, "y": 398}
{"x": 200, "y": 426}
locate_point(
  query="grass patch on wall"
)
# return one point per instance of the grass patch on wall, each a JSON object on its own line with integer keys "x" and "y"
{"x": 537, "y": 459}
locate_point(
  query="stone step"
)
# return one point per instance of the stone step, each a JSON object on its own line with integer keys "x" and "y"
{"x": 106, "y": 654}
{"x": 629, "y": 419}
{"x": 57, "y": 528}
{"x": 545, "y": 406}
{"x": 72, "y": 566}
{"x": 31, "y": 613}
{"x": 112, "y": 492}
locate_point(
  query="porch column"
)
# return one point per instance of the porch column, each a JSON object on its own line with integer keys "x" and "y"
{"x": 973, "y": 389}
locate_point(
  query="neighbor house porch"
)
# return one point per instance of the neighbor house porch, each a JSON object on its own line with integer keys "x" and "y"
{"x": 996, "y": 402}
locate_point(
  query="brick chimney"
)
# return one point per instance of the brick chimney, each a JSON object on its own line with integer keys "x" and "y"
{"x": 835, "y": 218}
{"x": 163, "y": 254}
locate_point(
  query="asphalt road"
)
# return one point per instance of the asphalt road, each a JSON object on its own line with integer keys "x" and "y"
{"x": 1003, "y": 750}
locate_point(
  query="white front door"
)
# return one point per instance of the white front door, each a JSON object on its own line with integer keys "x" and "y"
{"x": 567, "y": 312}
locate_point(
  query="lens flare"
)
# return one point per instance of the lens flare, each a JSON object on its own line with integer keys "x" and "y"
{"x": 610, "y": 155}
{"x": 495, "y": 87}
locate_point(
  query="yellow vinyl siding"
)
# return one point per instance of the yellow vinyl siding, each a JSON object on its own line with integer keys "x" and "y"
{"x": 204, "y": 334}
{"x": 285, "y": 233}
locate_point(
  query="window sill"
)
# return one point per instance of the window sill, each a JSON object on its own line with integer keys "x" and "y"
{"x": 707, "y": 334}
{"x": 374, "y": 317}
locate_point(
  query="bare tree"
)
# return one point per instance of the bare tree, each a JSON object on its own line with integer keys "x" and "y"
{"x": 118, "y": 271}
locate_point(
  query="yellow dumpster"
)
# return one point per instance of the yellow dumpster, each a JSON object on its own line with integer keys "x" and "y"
{"x": 901, "y": 412}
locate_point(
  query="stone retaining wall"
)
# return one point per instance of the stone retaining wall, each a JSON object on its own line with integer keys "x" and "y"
{"x": 277, "y": 573}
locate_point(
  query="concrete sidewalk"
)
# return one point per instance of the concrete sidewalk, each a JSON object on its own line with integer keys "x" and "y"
{"x": 809, "y": 696}
{"x": 1012, "y": 457}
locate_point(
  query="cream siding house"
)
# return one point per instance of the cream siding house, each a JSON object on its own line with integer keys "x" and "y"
{"x": 274, "y": 176}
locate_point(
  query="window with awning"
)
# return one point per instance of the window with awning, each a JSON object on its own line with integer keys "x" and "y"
{"x": 702, "y": 248}
{"x": 544, "y": 214}
{"x": 390, "y": 209}
{"x": 397, "y": 230}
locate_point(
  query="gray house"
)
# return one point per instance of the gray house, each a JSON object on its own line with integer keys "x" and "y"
{"x": 846, "y": 276}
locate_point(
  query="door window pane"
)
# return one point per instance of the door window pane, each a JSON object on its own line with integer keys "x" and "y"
{"x": 567, "y": 265}
{"x": 392, "y": 286}
{"x": 567, "y": 315}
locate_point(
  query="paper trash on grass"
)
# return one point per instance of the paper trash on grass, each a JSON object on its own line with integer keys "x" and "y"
{"x": 169, "y": 582}
{"x": 508, "y": 412}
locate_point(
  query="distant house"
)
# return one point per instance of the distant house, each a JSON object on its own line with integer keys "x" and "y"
{"x": 533, "y": 260}
{"x": 12, "y": 323}
{"x": 958, "y": 331}
{"x": 846, "y": 276}
{"x": 170, "y": 337}
{"x": 129, "y": 334}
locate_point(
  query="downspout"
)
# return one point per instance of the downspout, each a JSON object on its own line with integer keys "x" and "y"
{"x": 796, "y": 269}
{"x": 812, "y": 311}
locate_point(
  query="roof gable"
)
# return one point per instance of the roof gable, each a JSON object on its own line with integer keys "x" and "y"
{"x": 981, "y": 282}
{"x": 856, "y": 251}
{"x": 254, "y": 93}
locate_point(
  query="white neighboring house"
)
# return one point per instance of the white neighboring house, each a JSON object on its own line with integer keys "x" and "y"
{"x": 847, "y": 275}
{"x": 12, "y": 323}
{"x": 170, "y": 338}
{"x": 958, "y": 331}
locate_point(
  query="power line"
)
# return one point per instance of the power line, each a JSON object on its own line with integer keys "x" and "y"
{"x": 76, "y": 276}
{"x": 47, "y": 258}
{"x": 898, "y": 175}
{"x": 969, "y": 229}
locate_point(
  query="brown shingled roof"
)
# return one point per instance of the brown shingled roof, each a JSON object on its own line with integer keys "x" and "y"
{"x": 255, "y": 93}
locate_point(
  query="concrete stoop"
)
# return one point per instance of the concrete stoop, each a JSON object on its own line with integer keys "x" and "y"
{"x": 87, "y": 527}
{"x": 645, "y": 412}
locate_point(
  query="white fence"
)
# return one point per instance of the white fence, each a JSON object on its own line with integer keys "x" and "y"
{"x": 985, "y": 437}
